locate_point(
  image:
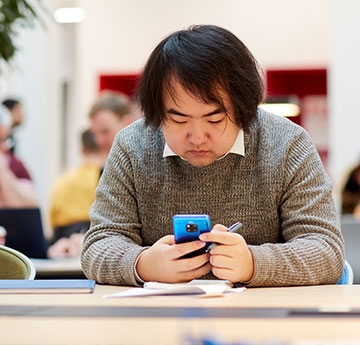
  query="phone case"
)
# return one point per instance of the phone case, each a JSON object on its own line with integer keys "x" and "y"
{"x": 188, "y": 227}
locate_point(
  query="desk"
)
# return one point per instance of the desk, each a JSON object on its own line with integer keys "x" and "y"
{"x": 143, "y": 330}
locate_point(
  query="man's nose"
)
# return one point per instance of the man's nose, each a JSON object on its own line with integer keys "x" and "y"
{"x": 197, "y": 134}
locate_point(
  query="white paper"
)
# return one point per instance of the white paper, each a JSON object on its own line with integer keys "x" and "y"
{"x": 164, "y": 289}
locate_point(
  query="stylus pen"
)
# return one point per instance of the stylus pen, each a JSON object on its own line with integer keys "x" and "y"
{"x": 233, "y": 228}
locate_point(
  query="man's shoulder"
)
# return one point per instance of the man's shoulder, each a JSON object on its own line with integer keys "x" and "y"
{"x": 271, "y": 135}
{"x": 271, "y": 126}
{"x": 275, "y": 122}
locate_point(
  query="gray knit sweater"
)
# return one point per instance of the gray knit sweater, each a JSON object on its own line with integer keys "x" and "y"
{"x": 279, "y": 190}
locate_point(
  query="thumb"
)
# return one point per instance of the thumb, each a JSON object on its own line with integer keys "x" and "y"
{"x": 168, "y": 239}
{"x": 219, "y": 227}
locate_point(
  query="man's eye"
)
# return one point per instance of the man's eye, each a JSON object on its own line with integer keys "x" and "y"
{"x": 180, "y": 122}
{"x": 216, "y": 121}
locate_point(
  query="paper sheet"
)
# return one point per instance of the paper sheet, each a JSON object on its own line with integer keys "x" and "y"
{"x": 161, "y": 289}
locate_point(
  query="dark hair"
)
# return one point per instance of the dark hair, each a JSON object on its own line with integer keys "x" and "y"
{"x": 203, "y": 59}
{"x": 88, "y": 142}
{"x": 352, "y": 183}
{"x": 350, "y": 196}
{"x": 10, "y": 103}
{"x": 118, "y": 103}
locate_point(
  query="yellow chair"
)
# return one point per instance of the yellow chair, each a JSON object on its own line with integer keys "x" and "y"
{"x": 15, "y": 265}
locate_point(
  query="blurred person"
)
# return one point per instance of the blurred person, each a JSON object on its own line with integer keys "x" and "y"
{"x": 350, "y": 196}
{"x": 109, "y": 114}
{"x": 3, "y": 234}
{"x": 16, "y": 111}
{"x": 17, "y": 114}
{"x": 66, "y": 247}
{"x": 204, "y": 146}
{"x": 16, "y": 187}
{"x": 72, "y": 197}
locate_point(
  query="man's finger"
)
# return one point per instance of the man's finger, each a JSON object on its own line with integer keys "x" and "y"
{"x": 190, "y": 264}
{"x": 194, "y": 274}
{"x": 182, "y": 249}
{"x": 220, "y": 227}
{"x": 221, "y": 261}
{"x": 168, "y": 239}
{"x": 221, "y": 237}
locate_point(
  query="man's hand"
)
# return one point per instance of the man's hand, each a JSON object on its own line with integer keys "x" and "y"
{"x": 231, "y": 259}
{"x": 161, "y": 262}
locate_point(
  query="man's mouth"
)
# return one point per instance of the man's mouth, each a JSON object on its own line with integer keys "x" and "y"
{"x": 198, "y": 152}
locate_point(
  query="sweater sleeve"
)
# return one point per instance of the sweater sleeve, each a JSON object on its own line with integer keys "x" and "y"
{"x": 113, "y": 241}
{"x": 313, "y": 248}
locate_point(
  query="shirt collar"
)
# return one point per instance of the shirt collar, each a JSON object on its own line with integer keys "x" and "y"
{"x": 237, "y": 148}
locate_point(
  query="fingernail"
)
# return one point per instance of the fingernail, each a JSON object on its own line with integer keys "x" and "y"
{"x": 201, "y": 244}
{"x": 202, "y": 237}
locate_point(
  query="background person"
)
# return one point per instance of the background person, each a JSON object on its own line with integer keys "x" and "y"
{"x": 17, "y": 115}
{"x": 205, "y": 147}
{"x": 109, "y": 114}
{"x": 350, "y": 197}
{"x": 72, "y": 197}
{"x": 16, "y": 187}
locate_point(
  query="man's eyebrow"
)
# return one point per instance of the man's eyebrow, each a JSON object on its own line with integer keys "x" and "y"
{"x": 176, "y": 112}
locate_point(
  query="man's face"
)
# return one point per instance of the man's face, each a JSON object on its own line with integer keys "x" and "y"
{"x": 104, "y": 125}
{"x": 198, "y": 132}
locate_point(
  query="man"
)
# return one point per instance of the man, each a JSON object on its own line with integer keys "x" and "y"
{"x": 16, "y": 188}
{"x": 111, "y": 113}
{"x": 204, "y": 147}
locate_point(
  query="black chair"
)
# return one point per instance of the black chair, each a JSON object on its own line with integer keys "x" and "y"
{"x": 24, "y": 231}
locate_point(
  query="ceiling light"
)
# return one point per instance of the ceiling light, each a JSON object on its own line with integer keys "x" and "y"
{"x": 281, "y": 109}
{"x": 69, "y": 15}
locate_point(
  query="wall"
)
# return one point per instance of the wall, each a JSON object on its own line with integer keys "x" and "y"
{"x": 344, "y": 89}
{"x": 280, "y": 33}
{"x": 35, "y": 77}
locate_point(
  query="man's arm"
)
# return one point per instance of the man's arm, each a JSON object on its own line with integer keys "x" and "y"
{"x": 113, "y": 242}
{"x": 15, "y": 192}
{"x": 313, "y": 252}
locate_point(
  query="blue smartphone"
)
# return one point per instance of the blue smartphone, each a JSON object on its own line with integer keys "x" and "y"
{"x": 188, "y": 227}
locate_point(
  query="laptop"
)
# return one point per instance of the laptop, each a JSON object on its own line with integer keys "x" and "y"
{"x": 24, "y": 231}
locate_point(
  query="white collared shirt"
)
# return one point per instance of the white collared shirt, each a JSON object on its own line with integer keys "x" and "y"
{"x": 237, "y": 148}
